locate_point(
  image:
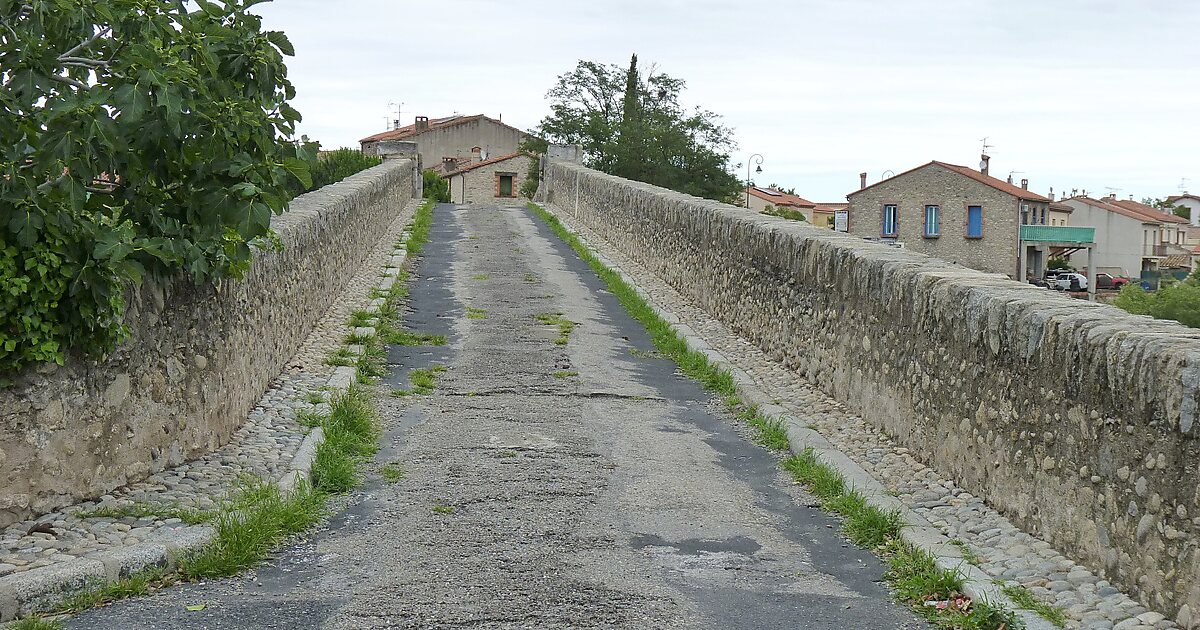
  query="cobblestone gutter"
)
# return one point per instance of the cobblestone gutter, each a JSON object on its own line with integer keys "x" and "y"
{"x": 1074, "y": 420}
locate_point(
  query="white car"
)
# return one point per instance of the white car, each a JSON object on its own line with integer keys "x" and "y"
{"x": 1064, "y": 281}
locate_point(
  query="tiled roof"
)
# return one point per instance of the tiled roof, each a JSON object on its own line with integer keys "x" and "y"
{"x": 832, "y": 206}
{"x": 1121, "y": 210}
{"x": 998, "y": 184}
{"x": 434, "y": 123}
{"x": 1060, "y": 207}
{"x": 486, "y": 162}
{"x": 1149, "y": 211}
{"x": 440, "y": 167}
{"x": 1174, "y": 198}
{"x": 971, "y": 173}
{"x": 779, "y": 198}
{"x": 1176, "y": 261}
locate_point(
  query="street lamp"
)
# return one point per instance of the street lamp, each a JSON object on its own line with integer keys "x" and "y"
{"x": 757, "y": 170}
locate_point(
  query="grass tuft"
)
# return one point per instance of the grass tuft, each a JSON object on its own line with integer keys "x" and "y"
{"x": 406, "y": 338}
{"x": 341, "y": 357}
{"x": 443, "y": 509}
{"x": 565, "y": 374}
{"x": 565, "y": 326}
{"x": 36, "y": 623}
{"x": 1025, "y": 599}
{"x": 476, "y": 313}
{"x": 142, "y": 510}
{"x": 392, "y": 472}
{"x": 351, "y": 434}
{"x": 252, "y": 521}
{"x": 770, "y": 432}
{"x": 419, "y": 233}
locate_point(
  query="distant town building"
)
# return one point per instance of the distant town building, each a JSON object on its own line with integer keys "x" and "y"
{"x": 478, "y": 180}
{"x": 451, "y": 137}
{"x": 953, "y": 212}
{"x": 818, "y": 214}
{"x": 1189, "y": 201}
{"x": 1131, "y": 237}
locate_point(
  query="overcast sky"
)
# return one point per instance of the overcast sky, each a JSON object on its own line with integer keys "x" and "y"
{"x": 1081, "y": 94}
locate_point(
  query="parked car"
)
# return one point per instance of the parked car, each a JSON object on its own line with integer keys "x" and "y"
{"x": 1071, "y": 282}
{"x": 1108, "y": 281}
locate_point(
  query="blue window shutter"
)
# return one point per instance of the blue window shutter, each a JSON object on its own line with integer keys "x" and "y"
{"x": 975, "y": 221}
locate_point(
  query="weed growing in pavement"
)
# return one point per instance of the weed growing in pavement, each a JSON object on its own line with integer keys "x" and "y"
{"x": 361, "y": 318}
{"x": 406, "y": 338}
{"x": 372, "y": 364}
{"x": 135, "y": 585}
{"x": 351, "y": 434}
{"x": 443, "y": 509}
{"x": 142, "y": 510}
{"x": 863, "y": 522}
{"x": 967, "y": 554}
{"x": 314, "y": 398}
{"x": 419, "y": 230}
{"x": 565, "y": 374}
{"x": 480, "y": 276}
{"x": 309, "y": 418}
{"x": 770, "y": 432}
{"x": 357, "y": 339}
{"x": 341, "y": 357}
{"x": 529, "y": 277}
{"x": 36, "y": 623}
{"x": 476, "y": 313}
{"x": 916, "y": 580}
{"x": 565, "y": 326}
{"x": 250, "y": 523}
{"x": 1025, "y": 599}
{"x": 392, "y": 472}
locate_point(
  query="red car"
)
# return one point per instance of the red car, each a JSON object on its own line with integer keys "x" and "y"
{"x": 1106, "y": 281}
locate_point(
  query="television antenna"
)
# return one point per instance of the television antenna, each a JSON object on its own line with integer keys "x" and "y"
{"x": 393, "y": 120}
{"x": 986, "y": 146}
{"x": 1183, "y": 185}
{"x": 1112, "y": 192}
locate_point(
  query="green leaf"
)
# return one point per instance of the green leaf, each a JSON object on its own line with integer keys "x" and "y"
{"x": 281, "y": 42}
{"x": 300, "y": 170}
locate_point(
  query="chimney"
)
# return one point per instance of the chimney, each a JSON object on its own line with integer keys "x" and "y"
{"x": 1051, "y": 193}
{"x": 983, "y": 163}
{"x": 1024, "y": 183}
{"x": 1009, "y": 180}
{"x": 449, "y": 164}
{"x": 421, "y": 124}
{"x": 476, "y": 154}
{"x": 862, "y": 181}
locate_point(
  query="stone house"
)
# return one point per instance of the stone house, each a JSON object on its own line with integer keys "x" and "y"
{"x": 451, "y": 137}
{"x": 488, "y": 180}
{"x": 953, "y": 212}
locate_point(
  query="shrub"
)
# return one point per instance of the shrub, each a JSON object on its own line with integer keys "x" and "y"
{"x": 1179, "y": 301}
{"x": 436, "y": 187}
{"x": 334, "y": 166}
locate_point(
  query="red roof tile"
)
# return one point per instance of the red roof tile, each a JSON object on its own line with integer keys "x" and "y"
{"x": 434, "y": 123}
{"x": 1149, "y": 211}
{"x": 779, "y": 198}
{"x": 486, "y": 162}
{"x": 971, "y": 173}
{"x": 1132, "y": 214}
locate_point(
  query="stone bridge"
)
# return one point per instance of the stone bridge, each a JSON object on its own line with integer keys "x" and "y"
{"x": 586, "y": 483}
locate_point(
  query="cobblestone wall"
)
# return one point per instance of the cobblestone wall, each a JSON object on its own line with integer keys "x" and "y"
{"x": 196, "y": 362}
{"x": 1075, "y": 419}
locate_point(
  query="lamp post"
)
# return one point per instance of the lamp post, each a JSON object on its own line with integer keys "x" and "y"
{"x": 757, "y": 170}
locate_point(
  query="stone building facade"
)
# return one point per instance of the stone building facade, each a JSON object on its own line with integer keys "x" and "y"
{"x": 451, "y": 137}
{"x": 489, "y": 180}
{"x": 953, "y": 212}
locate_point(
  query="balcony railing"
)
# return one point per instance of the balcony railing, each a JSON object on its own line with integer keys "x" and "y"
{"x": 1154, "y": 250}
{"x": 1058, "y": 234}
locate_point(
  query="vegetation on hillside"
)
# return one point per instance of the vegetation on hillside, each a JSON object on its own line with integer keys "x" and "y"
{"x": 136, "y": 139}
{"x": 634, "y": 126}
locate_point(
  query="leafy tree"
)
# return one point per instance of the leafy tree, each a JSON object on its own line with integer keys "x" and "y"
{"x": 1166, "y": 206}
{"x": 789, "y": 191}
{"x": 1179, "y": 301}
{"x": 534, "y": 147}
{"x": 136, "y": 138}
{"x": 634, "y": 126}
{"x": 435, "y": 186}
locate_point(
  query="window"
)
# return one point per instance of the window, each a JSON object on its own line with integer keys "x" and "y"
{"x": 974, "y": 221}
{"x": 890, "y": 219}
{"x": 933, "y": 221}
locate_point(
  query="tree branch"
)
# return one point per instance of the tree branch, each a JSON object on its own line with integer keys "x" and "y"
{"x": 87, "y": 42}
{"x": 83, "y": 61}
{"x": 69, "y": 81}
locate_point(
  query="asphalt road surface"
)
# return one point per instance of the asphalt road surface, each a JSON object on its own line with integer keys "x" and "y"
{"x": 546, "y": 485}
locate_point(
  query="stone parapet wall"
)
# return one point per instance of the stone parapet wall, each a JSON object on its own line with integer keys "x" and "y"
{"x": 1077, "y": 420}
{"x": 197, "y": 359}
